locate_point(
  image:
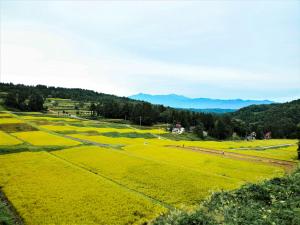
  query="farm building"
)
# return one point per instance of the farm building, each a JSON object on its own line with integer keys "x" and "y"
{"x": 178, "y": 129}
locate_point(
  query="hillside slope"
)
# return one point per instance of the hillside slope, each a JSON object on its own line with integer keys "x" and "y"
{"x": 65, "y": 93}
{"x": 281, "y": 119}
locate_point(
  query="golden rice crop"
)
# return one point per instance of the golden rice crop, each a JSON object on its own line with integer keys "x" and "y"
{"x": 111, "y": 140}
{"x": 253, "y": 147}
{"x": 130, "y": 130}
{"x": 243, "y": 170}
{"x": 49, "y": 118}
{"x": 239, "y": 144}
{"x": 100, "y": 129}
{"x": 6, "y": 139}
{"x": 284, "y": 153}
{"x": 32, "y": 113}
{"x": 10, "y": 120}
{"x": 5, "y": 115}
{"x": 168, "y": 183}
{"x": 65, "y": 128}
{"x": 47, "y": 190}
{"x": 94, "y": 185}
{"x": 44, "y": 139}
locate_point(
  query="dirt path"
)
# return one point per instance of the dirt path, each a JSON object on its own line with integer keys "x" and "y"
{"x": 84, "y": 141}
{"x": 287, "y": 165}
{"x": 265, "y": 147}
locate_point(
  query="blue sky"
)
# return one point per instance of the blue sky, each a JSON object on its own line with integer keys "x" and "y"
{"x": 217, "y": 49}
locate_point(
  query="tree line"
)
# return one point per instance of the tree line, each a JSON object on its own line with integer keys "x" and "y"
{"x": 217, "y": 126}
{"x": 144, "y": 113}
{"x": 25, "y": 101}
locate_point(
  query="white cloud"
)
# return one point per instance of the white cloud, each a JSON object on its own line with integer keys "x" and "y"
{"x": 40, "y": 53}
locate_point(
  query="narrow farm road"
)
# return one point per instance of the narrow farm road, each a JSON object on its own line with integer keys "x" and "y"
{"x": 287, "y": 165}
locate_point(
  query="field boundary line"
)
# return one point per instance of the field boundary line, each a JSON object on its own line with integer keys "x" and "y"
{"x": 47, "y": 131}
{"x": 155, "y": 135}
{"x": 265, "y": 147}
{"x": 82, "y": 141}
{"x": 154, "y": 200}
{"x": 287, "y": 165}
{"x": 175, "y": 165}
{"x": 17, "y": 219}
{"x": 130, "y": 154}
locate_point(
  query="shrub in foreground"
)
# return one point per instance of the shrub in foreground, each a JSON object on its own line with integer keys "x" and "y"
{"x": 272, "y": 202}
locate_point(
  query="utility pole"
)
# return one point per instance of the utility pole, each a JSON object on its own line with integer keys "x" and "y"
{"x": 140, "y": 121}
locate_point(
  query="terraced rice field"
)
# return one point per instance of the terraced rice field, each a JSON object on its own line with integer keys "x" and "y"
{"x": 261, "y": 148}
{"x": 155, "y": 179}
{"x": 47, "y": 190}
{"x": 110, "y": 140}
{"x": 10, "y": 120}
{"x": 100, "y": 129}
{"x": 6, "y": 139}
{"x": 130, "y": 180}
{"x": 241, "y": 170}
{"x": 42, "y": 138}
{"x": 48, "y": 118}
{"x": 6, "y": 115}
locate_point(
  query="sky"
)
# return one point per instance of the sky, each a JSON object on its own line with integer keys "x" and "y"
{"x": 214, "y": 49}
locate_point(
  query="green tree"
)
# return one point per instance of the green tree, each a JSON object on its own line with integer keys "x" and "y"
{"x": 11, "y": 99}
{"x": 93, "y": 109}
{"x": 198, "y": 130}
{"x": 221, "y": 130}
{"x": 36, "y": 102}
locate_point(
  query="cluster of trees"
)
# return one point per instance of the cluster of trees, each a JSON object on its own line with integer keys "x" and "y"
{"x": 280, "y": 119}
{"x": 144, "y": 113}
{"x": 25, "y": 101}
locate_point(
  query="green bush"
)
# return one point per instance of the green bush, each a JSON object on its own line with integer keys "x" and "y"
{"x": 272, "y": 202}
{"x": 178, "y": 217}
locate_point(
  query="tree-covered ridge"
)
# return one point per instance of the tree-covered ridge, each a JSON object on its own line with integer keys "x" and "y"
{"x": 60, "y": 92}
{"x": 138, "y": 112}
{"x": 283, "y": 120}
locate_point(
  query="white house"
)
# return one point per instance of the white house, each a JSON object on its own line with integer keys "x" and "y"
{"x": 176, "y": 130}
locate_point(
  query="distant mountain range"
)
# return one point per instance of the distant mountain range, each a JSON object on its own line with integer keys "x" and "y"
{"x": 210, "y": 110}
{"x": 198, "y": 104}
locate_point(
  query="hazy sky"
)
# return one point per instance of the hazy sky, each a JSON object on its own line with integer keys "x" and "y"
{"x": 217, "y": 49}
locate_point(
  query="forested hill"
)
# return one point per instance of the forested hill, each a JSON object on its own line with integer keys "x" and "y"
{"x": 107, "y": 106}
{"x": 281, "y": 119}
{"x": 77, "y": 94}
